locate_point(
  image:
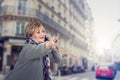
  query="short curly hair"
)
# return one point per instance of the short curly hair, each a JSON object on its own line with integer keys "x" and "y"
{"x": 31, "y": 27}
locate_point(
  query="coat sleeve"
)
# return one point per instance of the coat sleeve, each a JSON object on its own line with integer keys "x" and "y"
{"x": 55, "y": 56}
{"x": 36, "y": 51}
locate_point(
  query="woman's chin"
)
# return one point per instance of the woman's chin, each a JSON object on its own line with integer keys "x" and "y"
{"x": 41, "y": 41}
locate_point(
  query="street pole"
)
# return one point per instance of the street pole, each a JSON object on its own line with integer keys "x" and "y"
{"x": 118, "y": 20}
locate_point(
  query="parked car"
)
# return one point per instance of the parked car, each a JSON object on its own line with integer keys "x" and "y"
{"x": 105, "y": 71}
{"x": 64, "y": 70}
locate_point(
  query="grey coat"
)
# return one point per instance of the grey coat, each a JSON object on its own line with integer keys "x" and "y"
{"x": 29, "y": 65}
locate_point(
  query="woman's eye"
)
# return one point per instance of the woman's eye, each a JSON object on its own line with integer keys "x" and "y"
{"x": 38, "y": 32}
{"x": 43, "y": 31}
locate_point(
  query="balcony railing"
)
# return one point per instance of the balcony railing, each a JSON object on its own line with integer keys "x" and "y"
{"x": 20, "y": 34}
{"x": 12, "y": 10}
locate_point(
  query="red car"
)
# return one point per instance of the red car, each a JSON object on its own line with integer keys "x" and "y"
{"x": 104, "y": 71}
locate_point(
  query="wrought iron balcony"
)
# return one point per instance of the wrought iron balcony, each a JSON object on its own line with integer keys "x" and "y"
{"x": 12, "y": 10}
{"x": 20, "y": 34}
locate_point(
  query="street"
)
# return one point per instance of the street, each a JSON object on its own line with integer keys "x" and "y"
{"x": 79, "y": 76}
{"x": 83, "y": 76}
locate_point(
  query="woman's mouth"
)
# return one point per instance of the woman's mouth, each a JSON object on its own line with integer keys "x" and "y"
{"x": 41, "y": 37}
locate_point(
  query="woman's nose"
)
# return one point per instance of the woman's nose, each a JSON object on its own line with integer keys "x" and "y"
{"x": 42, "y": 33}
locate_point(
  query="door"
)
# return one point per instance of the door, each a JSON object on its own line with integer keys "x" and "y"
{"x": 1, "y": 57}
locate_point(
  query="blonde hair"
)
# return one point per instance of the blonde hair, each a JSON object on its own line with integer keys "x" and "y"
{"x": 31, "y": 27}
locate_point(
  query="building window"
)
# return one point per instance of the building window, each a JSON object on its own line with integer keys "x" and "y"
{"x": 22, "y": 7}
{"x": 65, "y": 18}
{"x": 20, "y": 29}
{"x": 52, "y": 7}
{"x": 46, "y": 13}
{"x": 59, "y": 13}
{"x": 0, "y": 8}
{"x": 64, "y": 25}
{"x": 52, "y": 16}
{"x": 59, "y": 21}
{"x": 59, "y": 5}
{"x": 39, "y": 7}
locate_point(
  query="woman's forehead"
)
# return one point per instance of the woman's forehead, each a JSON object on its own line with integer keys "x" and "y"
{"x": 40, "y": 28}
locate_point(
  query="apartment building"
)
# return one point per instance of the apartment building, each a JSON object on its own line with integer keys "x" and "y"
{"x": 116, "y": 49}
{"x": 90, "y": 36}
{"x": 62, "y": 18}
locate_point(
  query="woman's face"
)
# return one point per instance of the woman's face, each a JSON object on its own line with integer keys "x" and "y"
{"x": 39, "y": 35}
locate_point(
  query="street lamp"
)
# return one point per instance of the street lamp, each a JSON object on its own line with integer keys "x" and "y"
{"x": 119, "y": 20}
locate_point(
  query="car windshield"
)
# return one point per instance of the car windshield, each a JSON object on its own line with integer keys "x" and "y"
{"x": 104, "y": 67}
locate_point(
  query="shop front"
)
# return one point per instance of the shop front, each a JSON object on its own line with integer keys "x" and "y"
{"x": 9, "y": 51}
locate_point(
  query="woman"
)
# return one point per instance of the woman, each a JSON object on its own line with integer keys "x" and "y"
{"x": 33, "y": 61}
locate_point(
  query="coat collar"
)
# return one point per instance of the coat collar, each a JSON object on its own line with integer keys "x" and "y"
{"x": 31, "y": 41}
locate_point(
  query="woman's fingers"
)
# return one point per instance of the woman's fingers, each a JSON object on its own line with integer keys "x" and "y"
{"x": 55, "y": 39}
{"x": 54, "y": 42}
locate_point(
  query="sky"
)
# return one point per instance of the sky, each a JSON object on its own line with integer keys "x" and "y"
{"x": 106, "y": 25}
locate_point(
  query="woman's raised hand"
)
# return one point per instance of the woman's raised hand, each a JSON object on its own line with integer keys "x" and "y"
{"x": 52, "y": 43}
